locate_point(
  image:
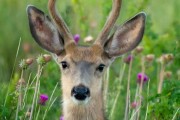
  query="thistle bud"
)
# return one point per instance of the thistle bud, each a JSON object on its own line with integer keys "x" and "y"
{"x": 149, "y": 58}
{"x": 88, "y": 39}
{"x": 47, "y": 57}
{"x": 168, "y": 74}
{"x": 29, "y": 61}
{"x": 43, "y": 59}
{"x": 139, "y": 49}
{"x": 128, "y": 59}
{"x": 25, "y": 63}
{"x": 166, "y": 58}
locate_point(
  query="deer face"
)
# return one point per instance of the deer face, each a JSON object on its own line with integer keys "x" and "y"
{"x": 82, "y": 68}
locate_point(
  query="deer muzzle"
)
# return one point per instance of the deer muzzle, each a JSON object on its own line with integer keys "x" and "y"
{"x": 80, "y": 93}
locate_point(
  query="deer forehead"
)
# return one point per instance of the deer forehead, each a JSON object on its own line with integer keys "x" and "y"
{"x": 91, "y": 54}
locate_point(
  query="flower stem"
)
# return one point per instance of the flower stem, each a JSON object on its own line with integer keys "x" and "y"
{"x": 36, "y": 91}
{"x": 147, "y": 100}
{"x": 49, "y": 107}
{"x": 20, "y": 91}
{"x": 19, "y": 104}
{"x": 175, "y": 114}
{"x": 50, "y": 101}
{"x": 126, "y": 117}
{"x": 140, "y": 87}
{"x": 26, "y": 90}
{"x": 161, "y": 78}
{"x": 135, "y": 99}
{"x": 38, "y": 113}
{"x": 117, "y": 96}
{"x": 134, "y": 115}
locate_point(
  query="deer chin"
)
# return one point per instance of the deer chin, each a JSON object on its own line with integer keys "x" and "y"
{"x": 81, "y": 102}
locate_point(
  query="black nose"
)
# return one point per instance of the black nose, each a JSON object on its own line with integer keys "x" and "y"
{"x": 80, "y": 92}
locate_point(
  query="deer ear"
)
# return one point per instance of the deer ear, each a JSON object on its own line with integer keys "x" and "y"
{"x": 43, "y": 31}
{"x": 126, "y": 37}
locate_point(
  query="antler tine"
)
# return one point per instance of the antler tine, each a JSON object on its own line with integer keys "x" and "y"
{"x": 102, "y": 37}
{"x": 61, "y": 25}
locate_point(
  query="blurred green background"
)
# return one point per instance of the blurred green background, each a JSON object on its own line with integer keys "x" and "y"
{"x": 84, "y": 17}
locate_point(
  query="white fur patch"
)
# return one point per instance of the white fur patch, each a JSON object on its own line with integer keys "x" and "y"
{"x": 81, "y": 102}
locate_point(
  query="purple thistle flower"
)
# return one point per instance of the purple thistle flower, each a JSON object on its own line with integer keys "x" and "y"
{"x": 142, "y": 76}
{"x": 76, "y": 38}
{"x": 128, "y": 59}
{"x": 61, "y": 118}
{"x": 43, "y": 99}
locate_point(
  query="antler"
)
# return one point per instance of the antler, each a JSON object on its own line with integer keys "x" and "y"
{"x": 61, "y": 25}
{"x": 102, "y": 37}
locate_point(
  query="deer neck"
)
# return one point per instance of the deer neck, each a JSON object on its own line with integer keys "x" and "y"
{"x": 92, "y": 111}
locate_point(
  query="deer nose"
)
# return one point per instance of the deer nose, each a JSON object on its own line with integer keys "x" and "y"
{"x": 80, "y": 92}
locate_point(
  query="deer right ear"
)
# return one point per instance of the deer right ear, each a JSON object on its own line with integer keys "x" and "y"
{"x": 43, "y": 31}
{"x": 127, "y": 36}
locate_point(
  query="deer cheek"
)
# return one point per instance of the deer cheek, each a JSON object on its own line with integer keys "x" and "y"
{"x": 67, "y": 85}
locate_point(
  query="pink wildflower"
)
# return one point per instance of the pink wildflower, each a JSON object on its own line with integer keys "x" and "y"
{"x": 128, "y": 59}
{"x": 76, "y": 38}
{"x": 43, "y": 99}
{"x": 142, "y": 76}
{"x": 61, "y": 118}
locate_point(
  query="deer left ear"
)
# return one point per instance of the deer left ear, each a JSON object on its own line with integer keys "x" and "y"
{"x": 126, "y": 37}
{"x": 44, "y": 31}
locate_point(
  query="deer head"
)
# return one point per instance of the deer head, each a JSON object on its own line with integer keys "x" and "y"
{"x": 82, "y": 67}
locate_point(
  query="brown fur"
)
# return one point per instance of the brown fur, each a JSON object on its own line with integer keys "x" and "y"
{"x": 80, "y": 53}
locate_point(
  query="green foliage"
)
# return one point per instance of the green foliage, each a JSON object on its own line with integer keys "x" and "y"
{"x": 48, "y": 82}
{"x": 163, "y": 106}
{"x": 6, "y": 109}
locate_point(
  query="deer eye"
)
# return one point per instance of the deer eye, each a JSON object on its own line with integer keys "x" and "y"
{"x": 64, "y": 64}
{"x": 100, "y": 68}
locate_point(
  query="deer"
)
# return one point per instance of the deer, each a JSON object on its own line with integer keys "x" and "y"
{"x": 82, "y": 67}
